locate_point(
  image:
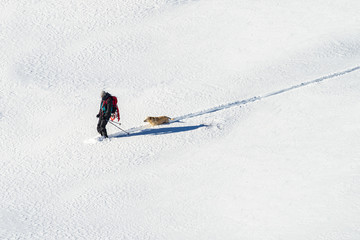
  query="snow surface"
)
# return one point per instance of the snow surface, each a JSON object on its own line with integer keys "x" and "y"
{"x": 265, "y": 141}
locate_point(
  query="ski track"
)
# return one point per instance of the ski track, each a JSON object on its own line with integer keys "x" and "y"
{"x": 257, "y": 98}
{"x": 143, "y": 130}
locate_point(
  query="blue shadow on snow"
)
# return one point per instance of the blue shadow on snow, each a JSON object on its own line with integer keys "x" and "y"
{"x": 161, "y": 131}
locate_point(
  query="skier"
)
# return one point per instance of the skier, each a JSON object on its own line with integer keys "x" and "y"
{"x": 106, "y": 107}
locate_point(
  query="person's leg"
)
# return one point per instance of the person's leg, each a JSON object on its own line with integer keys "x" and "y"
{"x": 99, "y": 126}
{"x": 103, "y": 131}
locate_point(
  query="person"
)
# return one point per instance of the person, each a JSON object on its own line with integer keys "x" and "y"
{"x": 104, "y": 114}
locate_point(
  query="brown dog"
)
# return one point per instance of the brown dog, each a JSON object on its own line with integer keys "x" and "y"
{"x": 157, "y": 120}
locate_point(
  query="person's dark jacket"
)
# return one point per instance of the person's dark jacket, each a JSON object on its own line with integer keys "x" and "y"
{"x": 106, "y": 107}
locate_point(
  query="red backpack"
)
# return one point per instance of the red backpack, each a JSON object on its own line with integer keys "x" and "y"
{"x": 115, "y": 110}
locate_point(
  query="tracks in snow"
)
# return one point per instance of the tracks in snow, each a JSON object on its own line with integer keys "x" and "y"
{"x": 144, "y": 130}
{"x": 256, "y": 98}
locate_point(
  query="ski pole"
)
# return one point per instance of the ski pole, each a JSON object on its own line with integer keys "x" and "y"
{"x": 115, "y": 122}
{"x": 119, "y": 128}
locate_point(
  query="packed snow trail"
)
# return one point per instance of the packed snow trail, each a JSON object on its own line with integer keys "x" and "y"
{"x": 145, "y": 130}
{"x": 254, "y": 99}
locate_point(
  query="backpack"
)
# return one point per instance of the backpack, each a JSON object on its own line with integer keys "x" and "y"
{"x": 115, "y": 109}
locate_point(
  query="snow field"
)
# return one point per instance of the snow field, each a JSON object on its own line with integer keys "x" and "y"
{"x": 279, "y": 167}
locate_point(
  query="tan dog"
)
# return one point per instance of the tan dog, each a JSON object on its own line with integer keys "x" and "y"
{"x": 157, "y": 120}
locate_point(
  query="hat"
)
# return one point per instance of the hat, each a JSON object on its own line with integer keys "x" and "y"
{"x": 102, "y": 93}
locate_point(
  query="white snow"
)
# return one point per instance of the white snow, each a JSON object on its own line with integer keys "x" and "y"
{"x": 265, "y": 141}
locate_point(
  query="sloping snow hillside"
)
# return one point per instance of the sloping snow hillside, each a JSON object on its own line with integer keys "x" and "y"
{"x": 265, "y": 142}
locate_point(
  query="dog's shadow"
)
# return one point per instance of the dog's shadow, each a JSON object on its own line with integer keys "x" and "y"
{"x": 159, "y": 131}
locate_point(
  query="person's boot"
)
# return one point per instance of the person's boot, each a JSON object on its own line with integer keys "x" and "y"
{"x": 104, "y": 134}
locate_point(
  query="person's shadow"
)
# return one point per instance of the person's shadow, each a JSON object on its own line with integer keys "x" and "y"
{"x": 159, "y": 131}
